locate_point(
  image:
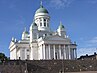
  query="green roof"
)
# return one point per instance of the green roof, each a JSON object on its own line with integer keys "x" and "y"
{"x": 42, "y": 10}
{"x": 25, "y": 31}
{"x": 61, "y": 26}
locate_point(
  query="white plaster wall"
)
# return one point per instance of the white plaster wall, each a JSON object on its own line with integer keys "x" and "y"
{"x": 40, "y": 55}
{"x": 31, "y": 52}
{"x": 13, "y": 54}
{"x": 23, "y": 54}
{"x": 18, "y": 54}
{"x": 34, "y": 51}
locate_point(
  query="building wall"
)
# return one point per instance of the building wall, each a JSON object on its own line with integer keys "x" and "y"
{"x": 34, "y": 51}
{"x": 13, "y": 54}
{"x": 18, "y": 54}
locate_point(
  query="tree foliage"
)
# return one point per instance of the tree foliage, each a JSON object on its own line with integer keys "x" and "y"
{"x": 3, "y": 57}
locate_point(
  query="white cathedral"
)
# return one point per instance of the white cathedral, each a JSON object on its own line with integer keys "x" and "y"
{"x": 40, "y": 43}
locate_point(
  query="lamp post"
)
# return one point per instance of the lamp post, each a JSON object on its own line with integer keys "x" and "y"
{"x": 26, "y": 71}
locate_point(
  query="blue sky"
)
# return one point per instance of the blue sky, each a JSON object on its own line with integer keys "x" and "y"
{"x": 78, "y": 16}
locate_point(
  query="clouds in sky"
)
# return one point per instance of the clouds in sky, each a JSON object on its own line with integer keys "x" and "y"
{"x": 92, "y": 42}
{"x": 66, "y": 3}
{"x": 92, "y": 1}
{"x": 89, "y": 46}
{"x": 60, "y": 3}
{"x": 84, "y": 51}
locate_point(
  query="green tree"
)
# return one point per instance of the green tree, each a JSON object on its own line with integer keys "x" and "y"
{"x": 3, "y": 57}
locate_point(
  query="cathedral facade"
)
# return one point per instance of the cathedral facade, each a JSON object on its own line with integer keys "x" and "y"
{"x": 40, "y": 43}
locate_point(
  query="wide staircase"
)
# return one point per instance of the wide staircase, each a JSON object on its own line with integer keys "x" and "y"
{"x": 47, "y": 66}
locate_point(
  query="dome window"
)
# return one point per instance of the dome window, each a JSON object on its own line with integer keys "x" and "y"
{"x": 44, "y": 19}
{"x": 40, "y": 24}
{"x": 44, "y": 24}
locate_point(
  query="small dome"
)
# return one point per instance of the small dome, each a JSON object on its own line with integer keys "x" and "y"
{"x": 41, "y": 10}
{"x": 61, "y": 26}
{"x": 25, "y": 31}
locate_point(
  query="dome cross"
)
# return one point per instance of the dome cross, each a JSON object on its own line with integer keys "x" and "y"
{"x": 41, "y": 4}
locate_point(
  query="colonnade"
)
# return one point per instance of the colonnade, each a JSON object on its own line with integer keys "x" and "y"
{"x": 59, "y": 51}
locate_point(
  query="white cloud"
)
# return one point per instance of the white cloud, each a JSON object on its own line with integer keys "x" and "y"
{"x": 93, "y": 40}
{"x": 84, "y": 51}
{"x": 60, "y": 3}
{"x": 88, "y": 46}
{"x": 92, "y": 1}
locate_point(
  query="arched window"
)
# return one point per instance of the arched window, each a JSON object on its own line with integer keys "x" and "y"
{"x": 40, "y": 24}
{"x": 44, "y": 24}
{"x": 44, "y": 19}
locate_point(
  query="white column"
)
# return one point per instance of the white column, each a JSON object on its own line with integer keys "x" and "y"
{"x": 16, "y": 53}
{"x": 31, "y": 54}
{"x": 49, "y": 52}
{"x": 64, "y": 52}
{"x": 72, "y": 54}
{"x": 69, "y": 52}
{"x": 60, "y": 52}
{"x": 75, "y": 53}
{"x": 44, "y": 50}
{"x": 54, "y": 51}
{"x": 42, "y": 21}
{"x": 46, "y": 23}
{"x": 41, "y": 52}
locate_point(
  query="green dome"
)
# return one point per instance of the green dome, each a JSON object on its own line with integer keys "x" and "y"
{"x": 61, "y": 26}
{"x": 25, "y": 31}
{"x": 41, "y": 10}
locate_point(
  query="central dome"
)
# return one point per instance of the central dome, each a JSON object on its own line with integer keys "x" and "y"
{"x": 41, "y": 10}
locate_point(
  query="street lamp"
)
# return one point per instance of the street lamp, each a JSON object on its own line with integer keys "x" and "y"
{"x": 26, "y": 71}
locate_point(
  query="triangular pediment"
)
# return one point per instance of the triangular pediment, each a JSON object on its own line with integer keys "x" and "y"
{"x": 55, "y": 37}
{"x": 11, "y": 43}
